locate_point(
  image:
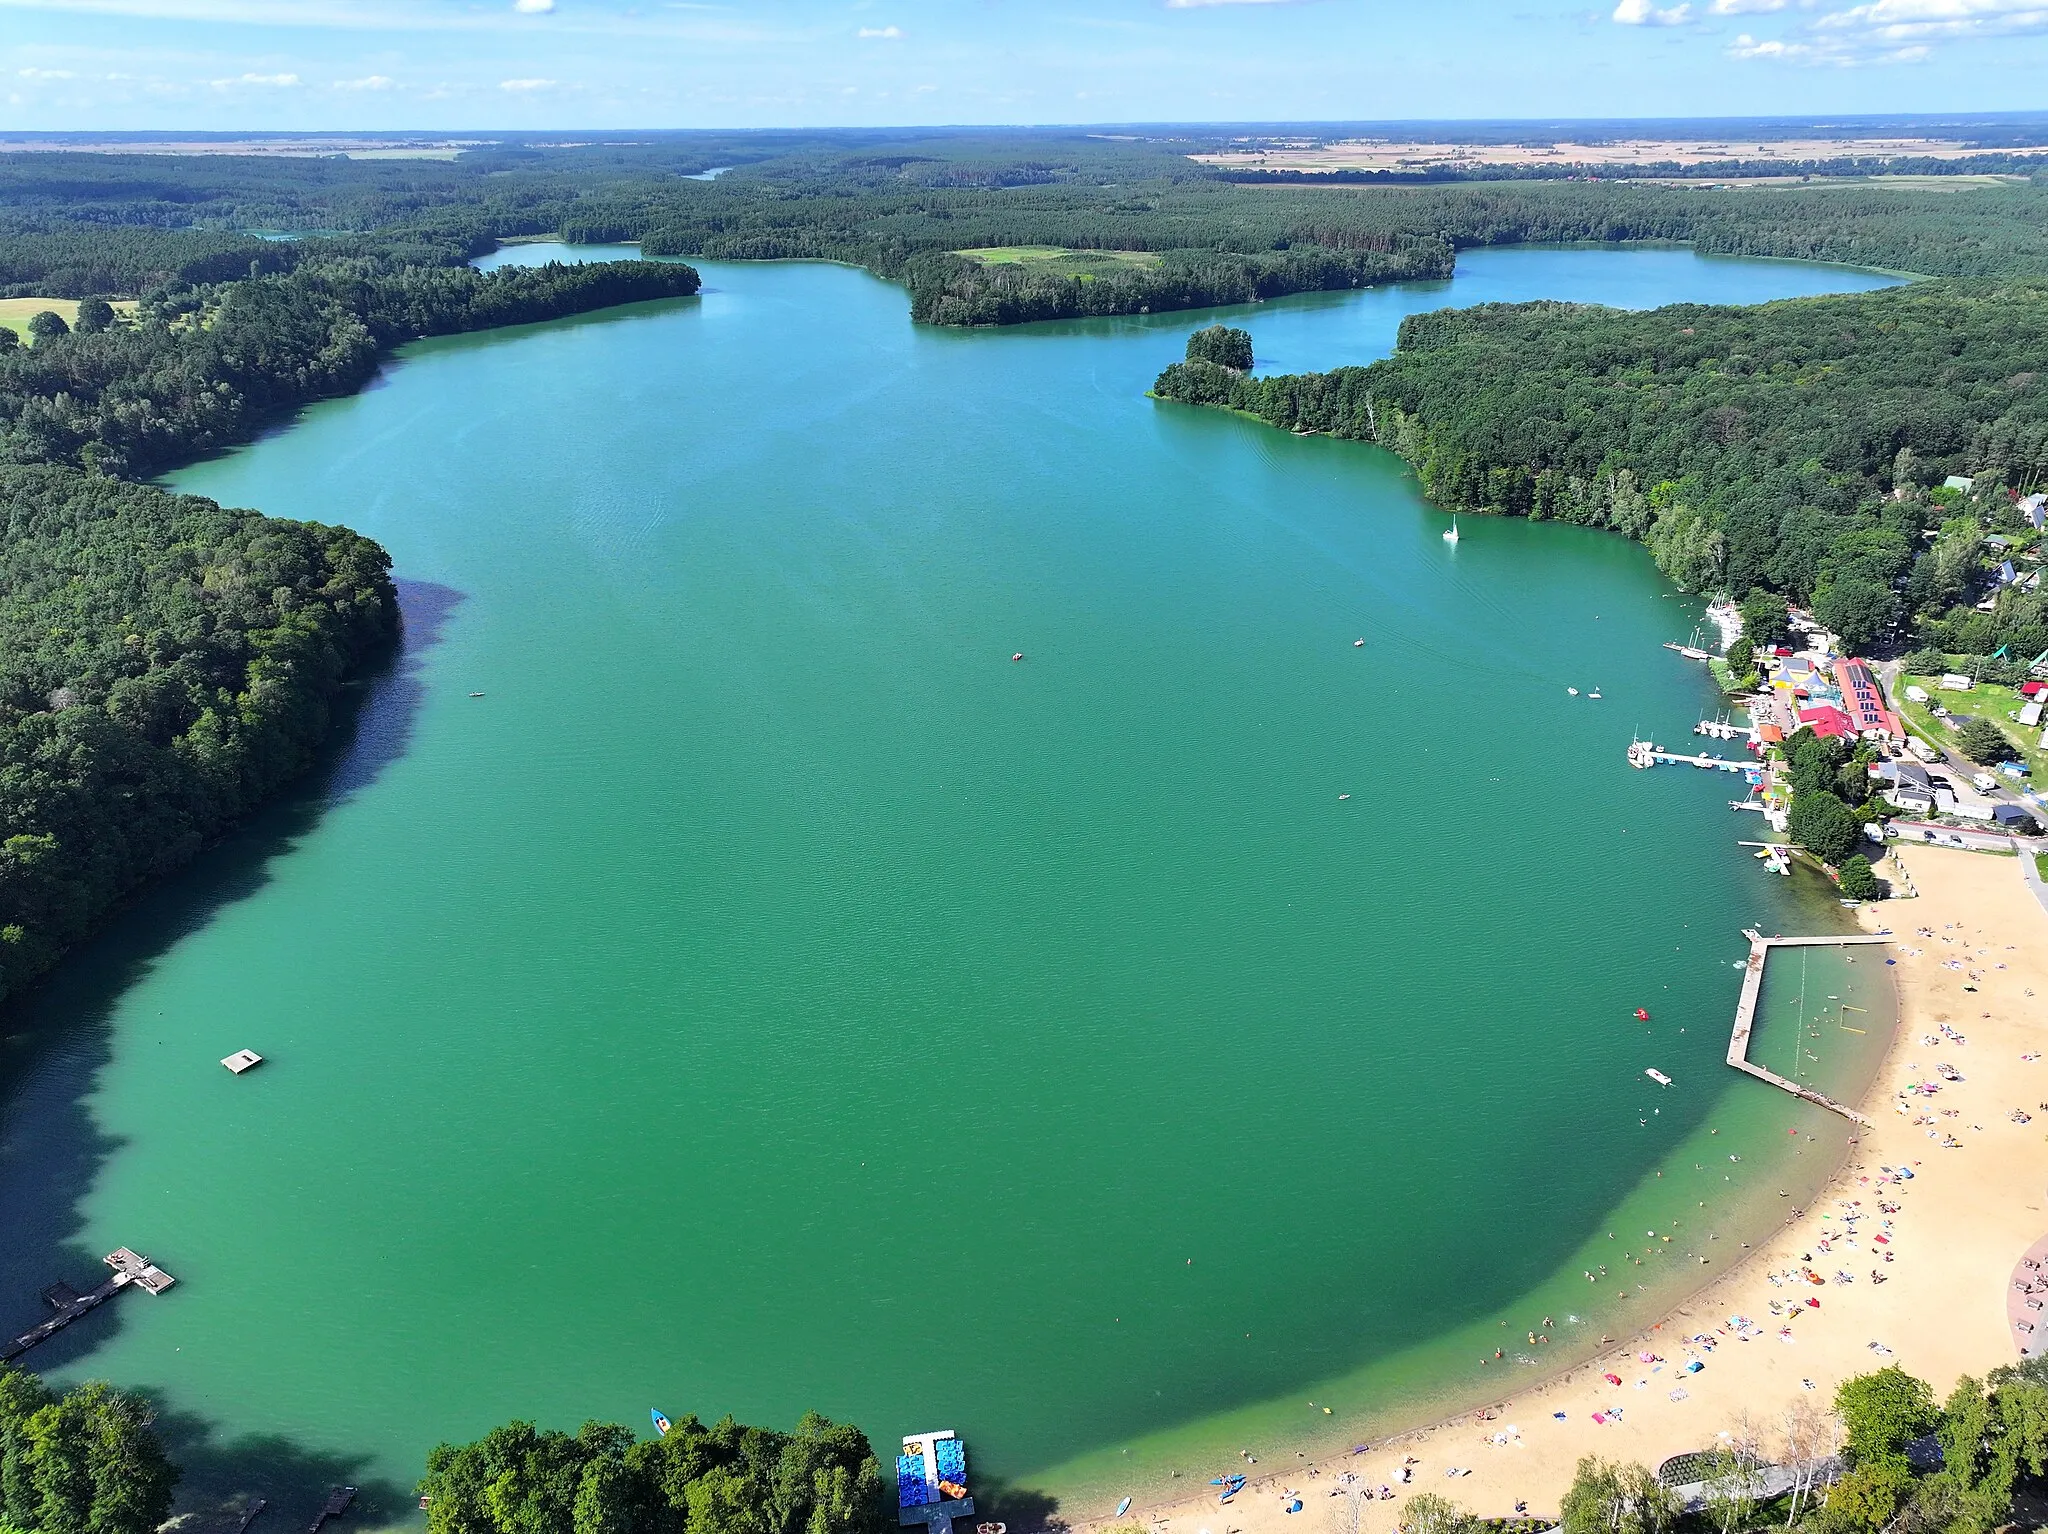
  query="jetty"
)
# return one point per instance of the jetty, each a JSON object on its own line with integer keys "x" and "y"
{"x": 1745, "y": 1014}
{"x": 129, "y": 1268}
{"x": 1645, "y": 753}
{"x": 336, "y": 1504}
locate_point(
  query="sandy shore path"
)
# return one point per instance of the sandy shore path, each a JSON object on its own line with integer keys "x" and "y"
{"x": 1946, "y": 1243}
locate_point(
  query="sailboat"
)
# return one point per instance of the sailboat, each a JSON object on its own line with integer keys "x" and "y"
{"x": 1451, "y": 532}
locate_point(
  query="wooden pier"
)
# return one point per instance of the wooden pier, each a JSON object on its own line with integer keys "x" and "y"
{"x": 337, "y": 1503}
{"x": 1745, "y": 1014}
{"x": 129, "y": 1268}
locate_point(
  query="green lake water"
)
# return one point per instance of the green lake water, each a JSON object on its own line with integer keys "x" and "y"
{"x": 768, "y": 995}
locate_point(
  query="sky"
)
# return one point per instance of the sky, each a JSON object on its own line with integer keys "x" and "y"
{"x": 549, "y": 64}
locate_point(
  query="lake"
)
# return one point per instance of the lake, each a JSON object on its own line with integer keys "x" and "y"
{"x": 714, "y": 975}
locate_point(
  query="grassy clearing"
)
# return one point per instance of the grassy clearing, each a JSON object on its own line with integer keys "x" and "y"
{"x": 1986, "y": 700}
{"x": 1084, "y": 264}
{"x": 16, "y": 312}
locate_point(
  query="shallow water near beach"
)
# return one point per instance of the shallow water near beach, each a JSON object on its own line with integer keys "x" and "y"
{"x": 717, "y": 977}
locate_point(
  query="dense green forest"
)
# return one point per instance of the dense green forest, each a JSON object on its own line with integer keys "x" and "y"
{"x": 83, "y": 1462}
{"x": 902, "y": 203}
{"x": 722, "y": 1479}
{"x": 207, "y": 363}
{"x": 1796, "y": 447}
{"x": 165, "y": 665}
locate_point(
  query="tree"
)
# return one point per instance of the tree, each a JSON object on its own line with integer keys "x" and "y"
{"x": 1823, "y": 825}
{"x": 1858, "y": 881}
{"x": 1610, "y": 1498}
{"x": 1857, "y": 609}
{"x": 1882, "y": 1412}
{"x": 722, "y": 1479}
{"x": 1811, "y": 1438}
{"x": 1734, "y": 1480}
{"x": 1766, "y": 619}
{"x": 46, "y": 323}
{"x": 94, "y": 316}
{"x": 1432, "y": 1513}
{"x": 1984, "y": 742}
{"x": 1866, "y": 1498}
{"x": 1223, "y": 346}
{"x": 9, "y": 341}
{"x": 1741, "y": 656}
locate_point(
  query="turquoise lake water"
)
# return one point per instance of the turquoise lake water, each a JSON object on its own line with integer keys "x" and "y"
{"x": 769, "y": 995}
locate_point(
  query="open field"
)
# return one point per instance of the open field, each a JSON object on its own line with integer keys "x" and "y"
{"x": 16, "y": 312}
{"x": 1391, "y": 154}
{"x": 1986, "y": 700}
{"x": 1057, "y": 255}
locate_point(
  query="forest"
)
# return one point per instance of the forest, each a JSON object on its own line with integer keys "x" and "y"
{"x": 1797, "y": 447}
{"x": 165, "y": 667}
{"x": 901, "y": 204}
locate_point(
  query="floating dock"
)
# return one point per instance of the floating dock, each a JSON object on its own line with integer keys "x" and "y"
{"x": 1644, "y": 753}
{"x": 1745, "y": 1014}
{"x": 129, "y": 1268}
{"x": 931, "y": 1482}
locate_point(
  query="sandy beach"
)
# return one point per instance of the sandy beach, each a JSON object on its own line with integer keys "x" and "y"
{"x": 1972, "y": 957}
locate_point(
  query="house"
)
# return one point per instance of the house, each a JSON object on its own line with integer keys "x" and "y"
{"x": 1863, "y": 702}
{"x": 2030, "y": 713}
{"x": 1998, "y": 541}
{"x": 1910, "y": 788}
{"x": 1960, "y": 482}
{"x": 2015, "y": 817}
{"x": 2027, "y": 689}
{"x": 1827, "y": 721}
{"x": 2006, "y": 573}
{"x": 1952, "y": 681}
{"x": 2035, "y": 509}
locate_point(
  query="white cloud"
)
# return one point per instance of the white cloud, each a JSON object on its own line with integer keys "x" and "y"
{"x": 367, "y": 83}
{"x": 1914, "y": 21}
{"x": 889, "y": 32}
{"x": 47, "y": 74}
{"x": 1641, "y": 13}
{"x": 1745, "y": 7}
{"x": 1747, "y": 47}
{"x": 281, "y": 82}
{"x": 533, "y": 7}
{"x": 526, "y": 85}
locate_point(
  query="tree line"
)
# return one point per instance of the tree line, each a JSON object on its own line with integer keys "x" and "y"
{"x": 89, "y": 1461}
{"x": 1798, "y": 448}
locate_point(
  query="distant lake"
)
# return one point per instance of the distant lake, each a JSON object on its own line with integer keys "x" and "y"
{"x": 769, "y": 995}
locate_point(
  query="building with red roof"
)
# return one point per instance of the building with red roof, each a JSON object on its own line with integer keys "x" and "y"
{"x": 1863, "y": 701}
{"x": 1827, "y": 720}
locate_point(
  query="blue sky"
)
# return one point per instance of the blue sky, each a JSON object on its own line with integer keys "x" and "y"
{"x": 305, "y": 64}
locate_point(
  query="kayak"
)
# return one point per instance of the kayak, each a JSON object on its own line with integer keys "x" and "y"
{"x": 661, "y": 1423}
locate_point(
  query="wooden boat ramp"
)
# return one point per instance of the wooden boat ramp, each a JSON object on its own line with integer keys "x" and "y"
{"x": 129, "y": 1268}
{"x": 1745, "y": 1014}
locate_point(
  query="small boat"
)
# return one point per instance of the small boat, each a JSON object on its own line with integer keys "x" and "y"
{"x": 1573, "y": 691}
{"x": 1451, "y": 532}
{"x": 1123, "y": 1507}
{"x": 661, "y": 1423}
{"x": 1358, "y": 644}
{"x": 1642, "y": 1016}
{"x": 1343, "y": 796}
{"x": 1594, "y": 693}
{"x": 1659, "y": 1077}
{"x": 476, "y": 695}
{"x": 1018, "y": 656}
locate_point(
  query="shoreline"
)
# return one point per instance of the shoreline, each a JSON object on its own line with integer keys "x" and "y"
{"x": 1948, "y": 1238}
